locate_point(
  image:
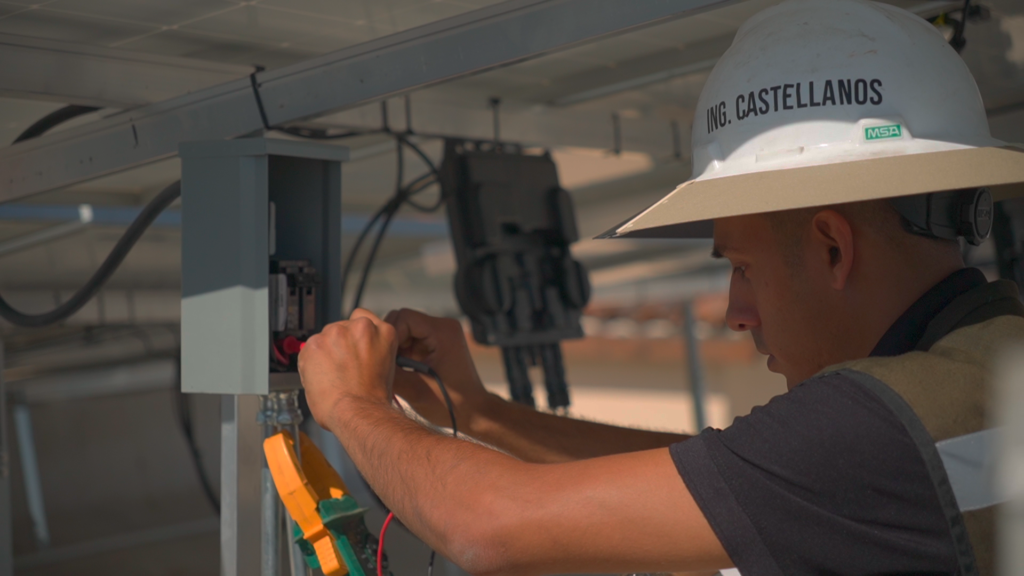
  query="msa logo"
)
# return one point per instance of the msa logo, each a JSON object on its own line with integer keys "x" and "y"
{"x": 882, "y": 132}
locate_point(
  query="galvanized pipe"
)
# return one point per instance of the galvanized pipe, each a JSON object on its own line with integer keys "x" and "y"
{"x": 270, "y": 519}
{"x": 30, "y": 472}
{"x": 693, "y": 362}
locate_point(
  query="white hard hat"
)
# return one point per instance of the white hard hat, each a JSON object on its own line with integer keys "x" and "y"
{"x": 821, "y": 102}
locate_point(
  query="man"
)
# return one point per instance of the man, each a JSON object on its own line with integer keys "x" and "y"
{"x": 838, "y": 167}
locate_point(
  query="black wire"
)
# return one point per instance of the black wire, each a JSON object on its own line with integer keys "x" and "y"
{"x": 185, "y": 421}
{"x": 390, "y": 208}
{"x": 388, "y": 211}
{"x": 355, "y": 249}
{"x": 393, "y": 209}
{"x": 419, "y": 152}
{"x": 106, "y": 270}
{"x": 410, "y": 364}
{"x": 259, "y": 99}
{"x": 53, "y": 119}
{"x": 422, "y": 368}
{"x": 427, "y": 209}
{"x": 957, "y": 41}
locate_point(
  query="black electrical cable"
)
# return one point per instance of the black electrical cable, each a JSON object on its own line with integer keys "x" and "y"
{"x": 957, "y": 41}
{"x": 388, "y": 212}
{"x": 117, "y": 255}
{"x": 52, "y": 119}
{"x": 390, "y": 209}
{"x": 373, "y": 254}
{"x": 423, "y": 156}
{"x": 427, "y": 209}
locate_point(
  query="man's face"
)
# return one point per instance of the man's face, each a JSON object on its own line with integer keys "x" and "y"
{"x": 777, "y": 300}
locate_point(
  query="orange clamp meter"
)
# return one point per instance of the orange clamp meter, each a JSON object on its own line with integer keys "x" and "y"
{"x": 331, "y": 530}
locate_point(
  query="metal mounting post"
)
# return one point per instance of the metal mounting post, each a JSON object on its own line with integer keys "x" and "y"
{"x": 30, "y": 472}
{"x": 693, "y": 362}
{"x": 241, "y": 456}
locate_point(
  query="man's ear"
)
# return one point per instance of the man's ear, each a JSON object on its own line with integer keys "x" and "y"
{"x": 832, "y": 242}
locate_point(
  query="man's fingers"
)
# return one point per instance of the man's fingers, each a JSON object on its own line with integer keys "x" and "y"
{"x": 411, "y": 325}
{"x": 364, "y": 313}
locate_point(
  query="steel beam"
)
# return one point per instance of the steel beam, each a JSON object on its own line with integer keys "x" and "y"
{"x": 694, "y": 365}
{"x": 470, "y": 43}
{"x": 39, "y": 69}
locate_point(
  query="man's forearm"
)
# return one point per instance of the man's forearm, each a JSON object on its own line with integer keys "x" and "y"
{"x": 495, "y": 515}
{"x": 428, "y": 480}
{"x": 542, "y": 437}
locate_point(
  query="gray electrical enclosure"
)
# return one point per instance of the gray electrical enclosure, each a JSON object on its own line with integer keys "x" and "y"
{"x": 243, "y": 202}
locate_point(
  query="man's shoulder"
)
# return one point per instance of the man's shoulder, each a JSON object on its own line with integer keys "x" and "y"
{"x": 824, "y": 475}
{"x": 827, "y": 412}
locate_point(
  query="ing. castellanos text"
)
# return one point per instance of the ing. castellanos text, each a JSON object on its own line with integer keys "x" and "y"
{"x": 771, "y": 99}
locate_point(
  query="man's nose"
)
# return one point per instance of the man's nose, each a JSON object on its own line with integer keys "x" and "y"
{"x": 742, "y": 313}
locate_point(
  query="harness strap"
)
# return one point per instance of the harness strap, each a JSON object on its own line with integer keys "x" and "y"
{"x": 933, "y": 463}
{"x": 999, "y": 298}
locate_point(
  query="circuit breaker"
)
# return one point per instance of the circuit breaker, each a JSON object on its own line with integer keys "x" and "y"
{"x": 261, "y": 259}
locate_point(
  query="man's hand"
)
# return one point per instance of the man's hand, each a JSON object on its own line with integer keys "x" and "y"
{"x": 348, "y": 362}
{"x": 440, "y": 344}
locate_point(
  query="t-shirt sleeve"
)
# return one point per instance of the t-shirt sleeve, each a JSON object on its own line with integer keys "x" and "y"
{"x": 821, "y": 480}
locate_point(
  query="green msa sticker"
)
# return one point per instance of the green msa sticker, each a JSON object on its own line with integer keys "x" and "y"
{"x": 883, "y": 132}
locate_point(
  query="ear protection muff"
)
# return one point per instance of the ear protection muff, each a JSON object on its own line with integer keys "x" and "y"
{"x": 948, "y": 215}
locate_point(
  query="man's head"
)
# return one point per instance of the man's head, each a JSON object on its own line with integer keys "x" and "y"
{"x": 818, "y": 286}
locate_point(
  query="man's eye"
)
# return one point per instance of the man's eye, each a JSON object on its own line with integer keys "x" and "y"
{"x": 741, "y": 270}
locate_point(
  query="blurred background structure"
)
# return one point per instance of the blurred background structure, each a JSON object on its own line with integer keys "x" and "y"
{"x": 103, "y": 475}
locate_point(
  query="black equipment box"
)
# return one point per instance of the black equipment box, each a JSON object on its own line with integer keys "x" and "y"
{"x": 512, "y": 225}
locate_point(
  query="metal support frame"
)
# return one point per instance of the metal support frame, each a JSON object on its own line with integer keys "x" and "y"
{"x": 693, "y": 362}
{"x": 270, "y": 509}
{"x": 30, "y": 472}
{"x": 241, "y": 452}
{"x": 37, "y": 68}
{"x": 470, "y": 43}
{"x": 6, "y": 516}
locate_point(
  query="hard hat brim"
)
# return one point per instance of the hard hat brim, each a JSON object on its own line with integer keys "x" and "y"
{"x": 688, "y": 211}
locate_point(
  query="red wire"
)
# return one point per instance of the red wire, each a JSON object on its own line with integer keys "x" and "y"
{"x": 384, "y": 528}
{"x": 380, "y": 544}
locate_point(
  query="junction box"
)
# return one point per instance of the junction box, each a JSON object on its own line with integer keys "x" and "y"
{"x": 260, "y": 258}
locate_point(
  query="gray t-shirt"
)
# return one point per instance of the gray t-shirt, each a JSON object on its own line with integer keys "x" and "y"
{"x": 825, "y": 479}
